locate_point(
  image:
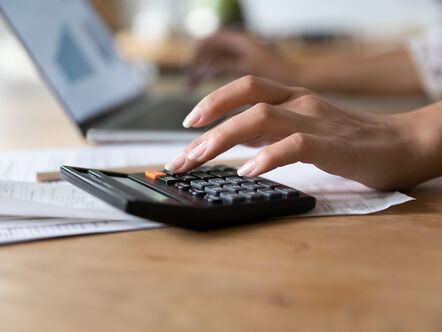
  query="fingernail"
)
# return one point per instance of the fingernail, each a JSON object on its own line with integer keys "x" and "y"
{"x": 177, "y": 163}
{"x": 247, "y": 168}
{"x": 197, "y": 152}
{"x": 193, "y": 117}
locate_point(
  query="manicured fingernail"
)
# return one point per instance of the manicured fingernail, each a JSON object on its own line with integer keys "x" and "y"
{"x": 193, "y": 117}
{"x": 177, "y": 163}
{"x": 197, "y": 152}
{"x": 247, "y": 168}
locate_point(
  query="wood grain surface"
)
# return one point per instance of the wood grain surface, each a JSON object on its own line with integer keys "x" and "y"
{"x": 381, "y": 272}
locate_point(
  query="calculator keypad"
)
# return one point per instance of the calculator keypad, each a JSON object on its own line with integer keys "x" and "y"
{"x": 221, "y": 183}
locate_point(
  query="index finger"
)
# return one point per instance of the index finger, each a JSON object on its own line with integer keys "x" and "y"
{"x": 248, "y": 90}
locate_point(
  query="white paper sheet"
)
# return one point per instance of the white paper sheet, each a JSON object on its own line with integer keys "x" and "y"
{"x": 30, "y": 229}
{"x": 334, "y": 194}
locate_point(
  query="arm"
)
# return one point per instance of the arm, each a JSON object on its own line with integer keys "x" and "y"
{"x": 383, "y": 152}
{"x": 239, "y": 53}
{"x": 390, "y": 73}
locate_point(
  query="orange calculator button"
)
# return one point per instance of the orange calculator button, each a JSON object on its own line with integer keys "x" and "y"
{"x": 154, "y": 174}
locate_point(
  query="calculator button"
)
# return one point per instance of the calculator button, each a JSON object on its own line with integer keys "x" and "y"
{"x": 268, "y": 184}
{"x": 187, "y": 177}
{"x": 203, "y": 176}
{"x": 232, "y": 187}
{"x": 218, "y": 181}
{"x": 214, "y": 190}
{"x": 183, "y": 186}
{"x": 169, "y": 172}
{"x": 253, "y": 179}
{"x": 168, "y": 180}
{"x": 199, "y": 184}
{"x": 269, "y": 193}
{"x": 287, "y": 191}
{"x": 213, "y": 199}
{"x": 235, "y": 180}
{"x": 197, "y": 192}
{"x": 251, "y": 186}
{"x": 154, "y": 173}
{"x": 251, "y": 195}
{"x": 222, "y": 168}
{"x": 202, "y": 169}
{"x": 223, "y": 174}
{"x": 232, "y": 197}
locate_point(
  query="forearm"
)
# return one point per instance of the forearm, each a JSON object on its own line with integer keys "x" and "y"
{"x": 390, "y": 73}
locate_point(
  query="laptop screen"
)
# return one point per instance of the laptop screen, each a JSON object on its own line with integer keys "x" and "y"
{"x": 75, "y": 54}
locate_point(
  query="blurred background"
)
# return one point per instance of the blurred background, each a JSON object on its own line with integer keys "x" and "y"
{"x": 159, "y": 35}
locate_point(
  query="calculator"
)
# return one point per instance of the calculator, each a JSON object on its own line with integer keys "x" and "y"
{"x": 204, "y": 198}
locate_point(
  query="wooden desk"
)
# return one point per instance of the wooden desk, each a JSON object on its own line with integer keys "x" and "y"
{"x": 381, "y": 272}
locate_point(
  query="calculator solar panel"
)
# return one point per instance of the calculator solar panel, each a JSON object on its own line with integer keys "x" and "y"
{"x": 207, "y": 197}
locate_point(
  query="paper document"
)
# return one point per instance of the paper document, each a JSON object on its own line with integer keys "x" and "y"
{"x": 334, "y": 194}
{"x": 19, "y": 230}
{"x": 54, "y": 200}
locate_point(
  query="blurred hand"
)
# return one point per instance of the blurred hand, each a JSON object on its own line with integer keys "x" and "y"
{"x": 295, "y": 124}
{"x": 233, "y": 52}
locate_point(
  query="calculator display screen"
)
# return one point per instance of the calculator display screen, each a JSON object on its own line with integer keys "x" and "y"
{"x": 149, "y": 193}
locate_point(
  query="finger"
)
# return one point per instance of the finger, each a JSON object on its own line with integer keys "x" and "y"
{"x": 260, "y": 141}
{"x": 260, "y": 121}
{"x": 248, "y": 90}
{"x": 302, "y": 147}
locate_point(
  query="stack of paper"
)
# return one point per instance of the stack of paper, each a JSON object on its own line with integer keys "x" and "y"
{"x": 30, "y": 211}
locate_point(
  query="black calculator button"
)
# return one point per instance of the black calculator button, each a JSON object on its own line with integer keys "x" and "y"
{"x": 218, "y": 181}
{"x": 197, "y": 192}
{"x": 232, "y": 187}
{"x": 222, "y": 168}
{"x": 251, "y": 195}
{"x": 251, "y": 186}
{"x": 287, "y": 191}
{"x": 269, "y": 193}
{"x": 203, "y": 176}
{"x": 202, "y": 169}
{"x": 183, "y": 186}
{"x": 213, "y": 199}
{"x": 168, "y": 180}
{"x": 232, "y": 197}
{"x": 168, "y": 172}
{"x": 253, "y": 179}
{"x": 224, "y": 174}
{"x": 235, "y": 180}
{"x": 199, "y": 184}
{"x": 187, "y": 177}
{"x": 214, "y": 190}
{"x": 268, "y": 184}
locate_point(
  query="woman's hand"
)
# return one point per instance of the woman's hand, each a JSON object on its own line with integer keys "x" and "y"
{"x": 234, "y": 52}
{"x": 295, "y": 124}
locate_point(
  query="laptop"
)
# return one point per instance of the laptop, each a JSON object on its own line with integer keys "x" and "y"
{"x": 104, "y": 96}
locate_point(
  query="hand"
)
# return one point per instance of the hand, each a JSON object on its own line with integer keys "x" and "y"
{"x": 383, "y": 152}
{"x": 236, "y": 53}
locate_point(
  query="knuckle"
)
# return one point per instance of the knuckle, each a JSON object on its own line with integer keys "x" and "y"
{"x": 262, "y": 112}
{"x": 299, "y": 142}
{"x": 249, "y": 82}
{"x": 265, "y": 156}
{"x": 216, "y": 133}
{"x": 310, "y": 101}
{"x": 210, "y": 99}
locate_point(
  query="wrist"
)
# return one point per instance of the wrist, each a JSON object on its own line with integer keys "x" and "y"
{"x": 426, "y": 131}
